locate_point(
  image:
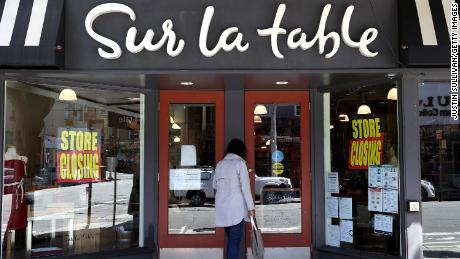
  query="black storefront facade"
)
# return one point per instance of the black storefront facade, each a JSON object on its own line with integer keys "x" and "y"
{"x": 115, "y": 113}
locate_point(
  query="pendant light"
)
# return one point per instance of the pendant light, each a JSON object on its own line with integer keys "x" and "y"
{"x": 260, "y": 110}
{"x": 364, "y": 109}
{"x": 393, "y": 93}
{"x": 175, "y": 126}
{"x": 257, "y": 119}
{"x": 343, "y": 117}
{"x": 67, "y": 95}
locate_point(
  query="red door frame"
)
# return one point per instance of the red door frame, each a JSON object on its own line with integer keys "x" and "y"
{"x": 185, "y": 97}
{"x": 299, "y": 97}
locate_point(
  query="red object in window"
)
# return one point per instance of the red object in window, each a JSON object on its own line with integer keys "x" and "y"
{"x": 15, "y": 171}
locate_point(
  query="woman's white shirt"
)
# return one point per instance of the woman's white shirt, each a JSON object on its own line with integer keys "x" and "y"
{"x": 233, "y": 192}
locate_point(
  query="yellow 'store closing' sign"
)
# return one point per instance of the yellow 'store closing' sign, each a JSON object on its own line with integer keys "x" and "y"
{"x": 366, "y": 145}
{"x": 78, "y": 155}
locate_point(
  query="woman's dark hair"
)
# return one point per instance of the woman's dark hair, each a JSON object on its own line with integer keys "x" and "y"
{"x": 237, "y": 147}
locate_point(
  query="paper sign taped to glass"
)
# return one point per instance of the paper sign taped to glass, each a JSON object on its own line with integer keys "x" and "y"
{"x": 332, "y": 207}
{"x": 375, "y": 175}
{"x": 390, "y": 201}
{"x": 346, "y": 231}
{"x": 333, "y": 182}
{"x": 346, "y": 208}
{"x": 390, "y": 177}
{"x": 185, "y": 179}
{"x": 366, "y": 145}
{"x": 78, "y": 155}
{"x": 374, "y": 196}
{"x": 383, "y": 224}
{"x": 333, "y": 235}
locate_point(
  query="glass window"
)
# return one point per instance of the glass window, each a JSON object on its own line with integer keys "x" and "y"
{"x": 192, "y": 160}
{"x": 440, "y": 171}
{"x": 71, "y": 172}
{"x": 362, "y": 171}
{"x": 277, "y": 167}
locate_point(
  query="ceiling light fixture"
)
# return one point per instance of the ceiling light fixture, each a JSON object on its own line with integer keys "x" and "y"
{"x": 187, "y": 83}
{"x": 134, "y": 99}
{"x": 260, "y": 110}
{"x": 176, "y": 126}
{"x": 171, "y": 120}
{"x": 68, "y": 95}
{"x": 257, "y": 119}
{"x": 393, "y": 94}
{"x": 364, "y": 109}
{"x": 391, "y": 75}
{"x": 282, "y": 82}
{"x": 343, "y": 117}
{"x": 176, "y": 139}
{"x": 267, "y": 143}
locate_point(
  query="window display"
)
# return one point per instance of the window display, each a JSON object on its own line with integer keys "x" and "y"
{"x": 362, "y": 172}
{"x": 71, "y": 170}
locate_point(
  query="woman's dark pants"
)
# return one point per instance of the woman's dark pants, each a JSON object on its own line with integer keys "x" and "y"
{"x": 233, "y": 234}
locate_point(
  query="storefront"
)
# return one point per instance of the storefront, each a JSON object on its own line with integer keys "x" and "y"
{"x": 115, "y": 113}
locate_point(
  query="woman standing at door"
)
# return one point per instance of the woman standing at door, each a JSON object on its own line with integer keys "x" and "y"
{"x": 234, "y": 203}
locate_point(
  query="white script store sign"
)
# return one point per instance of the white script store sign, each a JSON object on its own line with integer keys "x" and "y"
{"x": 230, "y": 39}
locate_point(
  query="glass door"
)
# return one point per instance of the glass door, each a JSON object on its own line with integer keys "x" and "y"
{"x": 277, "y": 138}
{"x": 191, "y": 142}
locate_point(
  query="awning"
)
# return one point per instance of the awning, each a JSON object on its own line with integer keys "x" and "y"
{"x": 31, "y": 33}
{"x": 424, "y": 32}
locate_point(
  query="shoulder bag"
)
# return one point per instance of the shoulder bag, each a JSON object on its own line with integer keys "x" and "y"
{"x": 258, "y": 249}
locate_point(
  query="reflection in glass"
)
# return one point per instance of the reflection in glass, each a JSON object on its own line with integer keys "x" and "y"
{"x": 440, "y": 171}
{"x": 191, "y": 168}
{"x": 278, "y": 168}
{"x": 71, "y": 183}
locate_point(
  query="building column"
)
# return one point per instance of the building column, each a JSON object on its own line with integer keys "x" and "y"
{"x": 149, "y": 190}
{"x": 234, "y": 124}
{"x": 409, "y": 150}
